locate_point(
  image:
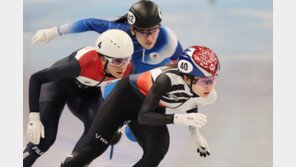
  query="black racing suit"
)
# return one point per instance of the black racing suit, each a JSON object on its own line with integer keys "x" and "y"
{"x": 50, "y": 89}
{"x": 148, "y": 118}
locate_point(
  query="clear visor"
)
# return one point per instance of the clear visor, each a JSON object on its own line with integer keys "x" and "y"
{"x": 118, "y": 61}
{"x": 206, "y": 81}
{"x": 144, "y": 33}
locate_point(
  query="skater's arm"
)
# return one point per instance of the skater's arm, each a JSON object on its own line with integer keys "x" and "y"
{"x": 44, "y": 36}
{"x": 89, "y": 24}
{"x": 65, "y": 68}
{"x": 148, "y": 113}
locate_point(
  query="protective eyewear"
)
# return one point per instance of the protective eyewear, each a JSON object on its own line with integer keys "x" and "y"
{"x": 118, "y": 61}
{"x": 205, "y": 81}
{"x": 145, "y": 33}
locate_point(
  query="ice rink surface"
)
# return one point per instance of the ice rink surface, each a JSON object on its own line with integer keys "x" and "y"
{"x": 239, "y": 128}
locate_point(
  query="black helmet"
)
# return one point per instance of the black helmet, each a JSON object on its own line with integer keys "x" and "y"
{"x": 144, "y": 14}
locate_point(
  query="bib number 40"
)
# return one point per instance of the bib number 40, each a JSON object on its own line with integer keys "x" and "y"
{"x": 184, "y": 66}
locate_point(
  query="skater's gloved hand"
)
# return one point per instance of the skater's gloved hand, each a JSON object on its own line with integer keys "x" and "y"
{"x": 44, "y": 36}
{"x": 35, "y": 128}
{"x": 190, "y": 119}
{"x": 203, "y": 148}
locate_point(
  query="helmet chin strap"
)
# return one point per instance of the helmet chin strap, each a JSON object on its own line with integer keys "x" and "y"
{"x": 106, "y": 73}
{"x": 191, "y": 80}
{"x": 191, "y": 83}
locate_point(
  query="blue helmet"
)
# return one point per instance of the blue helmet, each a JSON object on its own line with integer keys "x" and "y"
{"x": 198, "y": 61}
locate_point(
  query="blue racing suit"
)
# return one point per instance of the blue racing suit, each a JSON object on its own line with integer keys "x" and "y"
{"x": 166, "y": 49}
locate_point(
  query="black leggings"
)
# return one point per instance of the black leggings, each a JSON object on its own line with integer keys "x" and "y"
{"x": 83, "y": 103}
{"x": 121, "y": 105}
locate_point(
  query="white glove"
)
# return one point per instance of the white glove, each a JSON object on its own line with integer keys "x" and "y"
{"x": 203, "y": 148}
{"x": 35, "y": 128}
{"x": 44, "y": 36}
{"x": 190, "y": 119}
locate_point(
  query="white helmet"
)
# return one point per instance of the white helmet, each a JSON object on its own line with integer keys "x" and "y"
{"x": 115, "y": 43}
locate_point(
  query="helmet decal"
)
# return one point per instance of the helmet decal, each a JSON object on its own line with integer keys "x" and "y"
{"x": 206, "y": 59}
{"x": 203, "y": 62}
{"x": 100, "y": 45}
{"x": 185, "y": 66}
{"x": 131, "y": 18}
